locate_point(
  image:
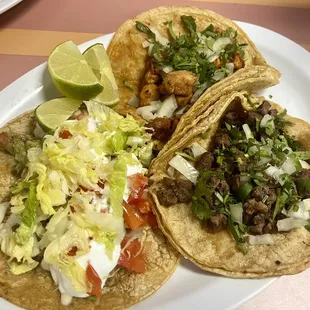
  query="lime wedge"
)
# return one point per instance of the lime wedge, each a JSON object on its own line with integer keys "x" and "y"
{"x": 51, "y": 114}
{"x": 71, "y": 74}
{"x": 98, "y": 60}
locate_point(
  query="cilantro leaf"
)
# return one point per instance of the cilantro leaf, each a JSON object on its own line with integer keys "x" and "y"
{"x": 202, "y": 198}
{"x": 171, "y": 31}
{"x": 146, "y": 30}
{"x": 30, "y": 212}
{"x": 190, "y": 24}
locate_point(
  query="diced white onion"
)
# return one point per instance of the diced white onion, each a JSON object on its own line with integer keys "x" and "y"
{"x": 244, "y": 179}
{"x": 146, "y": 43}
{"x": 38, "y": 131}
{"x": 180, "y": 111}
{"x": 284, "y": 211}
{"x": 307, "y": 204}
{"x": 197, "y": 149}
{"x": 220, "y": 43}
{"x": 213, "y": 57}
{"x": 170, "y": 171}
{"x": 3, "y": 207}
{"x": 301, "y": 213}
{"x": 264, "y": 161}
{"x": 218, "y": 75}
{"x": 288, "y": 166}
{"x": 275, "y": 173}
{"x": 230, "y": 67}
{"x": 304, "y": 164}
{"x": 206, "y": 51}
{"x": 184, "y": 167}
{"x": 134, "y": 101}
{"x": 265, "y": 119}
{"x": 253, "y": 149}
{"x": 247, "y": 131}
{"x": 290, "y": 223}
{"x": 159, "y": 38}
{"x": 167, "y": 107}
{"x": 150, "y": 49}
{"x": 167, "y": 69}
{"x": 219, "y": 196}
{"x": 199, "y": 92}
{"x": 236, "y": 212}
{"x": 147, "y": 112}
{"x": 262, "y": 239}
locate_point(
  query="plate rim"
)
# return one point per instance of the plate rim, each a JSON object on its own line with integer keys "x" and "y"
{"x": 9, "y": 5}
{"x": 7, "y": 92}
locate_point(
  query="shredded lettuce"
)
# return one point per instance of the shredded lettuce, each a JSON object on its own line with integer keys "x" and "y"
{"x": 62, "y": 174}
{"x": 104, "y": 228}
{"x": 56, "y": 227}
{"x": 117, "y": 181}
{"x": 20, "y": 256}
{"x": 56, "y": 254}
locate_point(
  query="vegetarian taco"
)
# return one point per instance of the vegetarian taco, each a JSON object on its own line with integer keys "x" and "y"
{"x": 76, "y": 225}
{"x": 166, "y": 61}
{"x": 233, "y": 194}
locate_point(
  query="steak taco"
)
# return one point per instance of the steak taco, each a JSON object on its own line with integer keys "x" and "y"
{"x": 233, "y": 194}
{"x": 76, "y": 224}
{"x": 168, "y": 59}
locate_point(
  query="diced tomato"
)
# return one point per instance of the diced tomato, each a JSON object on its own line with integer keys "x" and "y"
{"x": 84, "y": 189}
{"x": 132, "y": 218}
{"x": 81, "y": 116}
{"x": 129, "y": 258}
{"x": 143, "y": 206}
{"x": 137, "y": 181}
{"x": 100, "y": 184}
{"x": 136, "y": 195}
{"x": 150, "y": 218}
{"x": 104, "y": 211}
{"x": 98, "y": 194}
{"x": 94, "y": 279}
{"x": 72, "y": 251}
{"x": 65, "y": 134}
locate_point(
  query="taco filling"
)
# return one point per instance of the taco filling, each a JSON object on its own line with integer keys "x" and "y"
{"x": 80, "y": 206}
{"x": 181, "y": 68}
{"x": 254, "y": 180}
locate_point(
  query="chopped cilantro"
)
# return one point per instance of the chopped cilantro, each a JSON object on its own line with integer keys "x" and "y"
{"x": 190, "y": 51}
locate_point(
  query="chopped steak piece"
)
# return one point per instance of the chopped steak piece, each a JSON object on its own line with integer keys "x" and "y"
{"x": 260, "y": 192}
{"x": 204, "y": 162}
{"x": 264, "y": 108}
{"x": 175, "y": 191}
{"x": 217, "y": 223}
{"x": 221, "y": 138}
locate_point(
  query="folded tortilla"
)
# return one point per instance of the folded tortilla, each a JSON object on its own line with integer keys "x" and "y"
{"x": 218, "y": 252}
{"x": 37, "y": 290}
{"x": 128, "y": 56}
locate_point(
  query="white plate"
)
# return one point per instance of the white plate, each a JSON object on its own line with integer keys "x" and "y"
{"x": 190, "y": 288}
{"x": 7, "y": 4}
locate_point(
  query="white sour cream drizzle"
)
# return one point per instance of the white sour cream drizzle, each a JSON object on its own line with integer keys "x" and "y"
{"x": 97, "y": 257}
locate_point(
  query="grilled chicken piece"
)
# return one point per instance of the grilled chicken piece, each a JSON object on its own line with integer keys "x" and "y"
{"x": 149, "y": 93}
{"x": 179, "y": 83}
{"x": 238, "y": 62}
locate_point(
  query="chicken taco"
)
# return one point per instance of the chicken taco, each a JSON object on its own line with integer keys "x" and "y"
{"x": 233, "y": 194}
{"x": 76, "y": 224}
{"x": 168, "y": 59}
